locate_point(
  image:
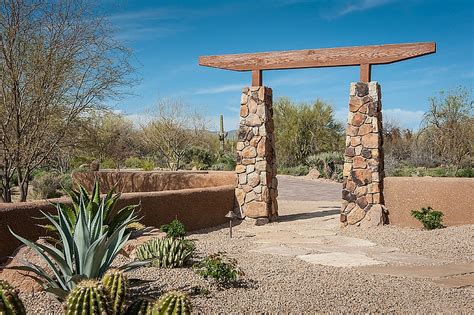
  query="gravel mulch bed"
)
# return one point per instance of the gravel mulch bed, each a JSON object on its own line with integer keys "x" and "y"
{"x": 454, "y": 243}
{"x": 286, "y": 284}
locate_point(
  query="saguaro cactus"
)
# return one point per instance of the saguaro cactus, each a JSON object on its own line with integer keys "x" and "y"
{"x": 10, "y": 303}
{"x": 222, "y": 134}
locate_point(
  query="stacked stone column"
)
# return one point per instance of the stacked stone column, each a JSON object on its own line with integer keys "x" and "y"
{"x": 256, "y": 192}
{"x": 363, "y": 164}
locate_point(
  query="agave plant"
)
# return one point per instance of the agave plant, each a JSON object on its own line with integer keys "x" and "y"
{"x": 112, "y": 219}
{"x": 87, "y": 248}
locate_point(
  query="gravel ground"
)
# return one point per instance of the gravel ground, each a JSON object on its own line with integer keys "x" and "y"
{"x": 285, "y": 284}
{"x": 455, "y": 243}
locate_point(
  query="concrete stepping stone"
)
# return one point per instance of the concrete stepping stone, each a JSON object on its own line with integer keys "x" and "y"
{"x": 437, "y": 271}
{"x": 340, "y": 259}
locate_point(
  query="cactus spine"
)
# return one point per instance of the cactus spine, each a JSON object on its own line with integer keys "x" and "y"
{"x": 88, "y": 298}
{"x": 140, "y": 307}
{"x": 10, "y": 303}
{"x": 173, "y": 303}
{"x": 222, "y": 134}
{"x": 116, "y": 285}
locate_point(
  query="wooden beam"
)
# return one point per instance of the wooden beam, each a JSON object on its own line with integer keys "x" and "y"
{"x": 365, "y": 72}
{"x": 316, "y": 58}
{"x": 256, "y": 77}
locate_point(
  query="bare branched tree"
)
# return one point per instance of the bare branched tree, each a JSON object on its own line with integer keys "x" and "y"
{"x": 448, "y": 127}
{"x": 173, "y": 130}
{"x": 57, "y": 61}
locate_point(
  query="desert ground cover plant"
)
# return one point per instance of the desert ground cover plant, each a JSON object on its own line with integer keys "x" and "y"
{"x": 430, "y": 218}
{"x": 222, "y": 269}
{"x": 87, "y": 246}
{"x": 174, "y": 229}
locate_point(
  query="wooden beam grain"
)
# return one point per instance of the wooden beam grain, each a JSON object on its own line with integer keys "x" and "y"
{"x": 316, "y": 58}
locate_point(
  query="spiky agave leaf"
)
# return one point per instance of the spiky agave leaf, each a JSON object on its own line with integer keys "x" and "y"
{"x": 86, "y": 251}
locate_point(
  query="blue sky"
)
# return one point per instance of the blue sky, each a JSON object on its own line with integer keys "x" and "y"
{"x": 167, "y": 38}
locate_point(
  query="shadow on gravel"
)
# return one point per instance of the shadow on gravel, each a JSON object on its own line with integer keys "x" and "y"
{"x": 308, "y": 215}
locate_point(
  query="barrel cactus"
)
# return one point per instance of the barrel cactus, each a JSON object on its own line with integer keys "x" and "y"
{"x": 166, "y": 252}
{"x": 140, "y": 307}
{"x": 10, "y": 303}
{"x": 116, "y": 284}
{"x": 88, "y": 298}
{"x": 172, "y": 303}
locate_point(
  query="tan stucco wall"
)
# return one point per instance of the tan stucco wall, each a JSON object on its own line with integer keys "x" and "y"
{"x": 140, "y": 181}
{"x": 197, "y": 208}
{"x": 453, "y": 196}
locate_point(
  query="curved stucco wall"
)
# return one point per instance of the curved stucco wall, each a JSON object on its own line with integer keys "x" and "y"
{"x": 197, "y": 208}
{"x": 453, "y": 196}
{"x": 141, "y": 181}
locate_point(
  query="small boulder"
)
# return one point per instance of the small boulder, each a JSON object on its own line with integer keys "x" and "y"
{"x": 313, "y": 174}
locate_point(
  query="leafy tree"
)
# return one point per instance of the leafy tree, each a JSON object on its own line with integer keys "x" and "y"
{"x": 302, "y": 130}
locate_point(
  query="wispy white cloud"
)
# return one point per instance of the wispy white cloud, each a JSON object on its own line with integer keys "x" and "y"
{"x": 406, "y": 118}
{"x": 220, "y": 89}
{"x": 349, "y": 7}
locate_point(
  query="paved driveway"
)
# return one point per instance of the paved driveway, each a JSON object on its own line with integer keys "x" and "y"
{"x": 299, "y": 188}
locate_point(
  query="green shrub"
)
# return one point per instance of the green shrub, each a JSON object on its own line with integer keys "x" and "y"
{"x": 174, "y": 229}
{"x": 465, "y": 172}
{"x": 87, "y": 245}
{"x": 166, "y": 252}
{"x": 148, "y": 165}
{"x": 300, "y": 170}
{"x": 133, "y": 162}
{"x": 429, "y": 218}
{"x": 220, "y": 268}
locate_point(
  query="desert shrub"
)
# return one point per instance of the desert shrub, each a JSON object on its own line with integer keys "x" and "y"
{"x": 199, "y": 158}
{"x": 148, "y": 165}
{"x": 219, "y": 267}
{"x": 465, "y": 172}
{"x": 429, "y": 218}
{"x": 226, "y": 162}
{"x": 327, "y": 163}
{"x": 133, "y": 162}
{"x": 108, "y": 164}
{"x": 174, "y": 229}
{"x": 299, "y": 170}
{"x": 46, "y": 185}
{"x": 166, "y": 252}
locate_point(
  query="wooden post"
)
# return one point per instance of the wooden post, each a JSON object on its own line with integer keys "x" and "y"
{"x": 365, "y": 72}
{"x": 256, "y": 77}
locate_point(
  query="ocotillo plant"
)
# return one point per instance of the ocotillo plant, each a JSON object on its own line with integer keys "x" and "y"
{"x": 222, "y": 135}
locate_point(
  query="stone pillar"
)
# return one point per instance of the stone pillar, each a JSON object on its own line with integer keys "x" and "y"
{"x": 256, "y": 191}
{"x": 363, "y": 163}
